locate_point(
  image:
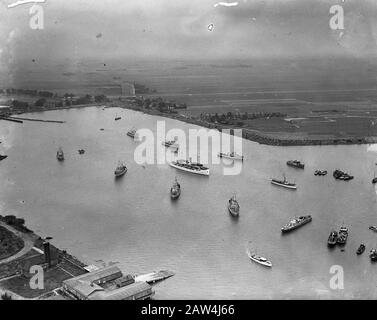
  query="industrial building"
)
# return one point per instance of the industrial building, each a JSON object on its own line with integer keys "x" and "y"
{"x": 91, "y": 286}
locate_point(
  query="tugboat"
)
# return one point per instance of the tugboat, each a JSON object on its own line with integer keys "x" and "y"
{"x": 259, "y": 259}
{"x": 60, "y": 154}
{"x": 340, "y": 175}
{"x": 361, "y": 249}
{"x": 230, "y": 155}
{"x": 333, "y": 237}
{"x": 2, "y": 157}
{"x": 189, "y": 166}
{"x": 284, "y": 183}
{"x": 373, "y": 255}
{"x": 320, "y": 172}
{"x": 175, "y": 190}
{"x": 120, "y": 170}
{"x": 234, "y": 207}
{"x": 373, "y": 228}
{"x": 296, "y": 223}
{"x": 295, "y": 164}
{"x": 132, "y": 133}
{"x": 342, "y": 236}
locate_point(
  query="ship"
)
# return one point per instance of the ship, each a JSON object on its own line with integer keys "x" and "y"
{"x": 259, "y": 259}
{"x": 175, "y": 190}
{"x": 340, "y": 175}
{"x": 342, "y": 236}
{"x": 284, "y": 183}
{"x": 374, "y": 180}
{"x": 117, "y": 118}
{"x": 295, "y": 164}
{"x": 188, "y": 166}
{"x": 2, "y": 157}
{"x": 153, "y": 277}
{"x": 81, "y": 151}
{"x": 361, "y": 249}
{"x": 373, "y": 228}
{"x": 230, "y": 155}
{"x": 332, "y": 240}
{"x": 120, "y": 170}
{"x": 170, "y": 144}
{"x": 132, "y": 133}
{"x": 320, "y": 172}
{"x": 296, "y": 223}
{"x": 234, "y": 207}
{"x": 373, "y": 255}
{"x": 60, "y": 154}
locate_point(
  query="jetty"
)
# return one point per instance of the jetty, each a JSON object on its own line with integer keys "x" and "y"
{"x": 10, "y": 119}
{"x": 19, "y": 119}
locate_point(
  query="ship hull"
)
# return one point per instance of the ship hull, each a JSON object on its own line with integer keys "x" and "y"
{"x": 283, "y": 185}
{"x": 233, "y": 212}
{"x": 199, "y": 172}
{"x": 285, "y": 230}
{"x": 226, "y": 156}
{"x": 297, "y": 166}
{"x": 119, "y": 174}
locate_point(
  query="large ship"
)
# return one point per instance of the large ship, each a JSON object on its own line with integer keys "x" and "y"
{"x": 342, "y": 236}
{"x": 2, "y": 157}
{"x": 132, "y": 133}
{"x": 296, "y": 164}
{"x": 340, "y": 175}
{"x": 120, "y": 170}
{"x": 188, "y": 166}
{"x": 259, "y": 259}
{"x": 333, "y": 237}
{"x": 230, "y": 155}
{"x": 284, "y": 183}
{"x": 234, "y": 207}
{"x": 175, "y": 190}
{"x": 296, "y": 223}
{"x": 60, "y": 154}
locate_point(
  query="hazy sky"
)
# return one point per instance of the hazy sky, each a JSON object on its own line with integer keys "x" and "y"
{"x": 80, "y": 29}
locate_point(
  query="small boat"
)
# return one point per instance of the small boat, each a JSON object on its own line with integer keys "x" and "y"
{"x": 332, "y": 240}
{"x": 342, "y": 236}
{"x": 2, "y": 157}
{"x": 361, "y": 249}
{"x": 296, "y": 223}
{"x": 374, "y": 180}
{"x": 320, "y": 172}
{"x": 81, "y": 151}
{"x": 230, "y": 155}
{"x": 295, "y": 164}
{"x": 171, "y": 144}
{"x": 60, "y": 154}
{"x": 120, "y": 170}
{"x": 188, "y": 166}
{"x": 132, "y": 133}
{"x": 102, "y": 129}
{"x": 175, "y": 190}
{"x": 118, "y": 118}
{"x": 340, "y": 175}
{"x": 373, "y": 228}
{"x": 234, "y": 207}
{"x": 373, "y": 255}
{"x": 259, "y": 259}
{"x": 284, "y": 183}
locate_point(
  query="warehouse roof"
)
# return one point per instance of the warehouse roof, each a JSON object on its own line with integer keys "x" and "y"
{"x": 122, "y": 293}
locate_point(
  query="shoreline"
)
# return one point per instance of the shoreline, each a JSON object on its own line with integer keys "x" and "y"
{"x": 271, "y": 139}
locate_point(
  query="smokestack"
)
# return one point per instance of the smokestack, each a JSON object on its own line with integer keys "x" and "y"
{"x": 46, "y": 246}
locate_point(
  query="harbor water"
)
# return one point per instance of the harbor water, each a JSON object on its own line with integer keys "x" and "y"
{"x": 133, "y": 221}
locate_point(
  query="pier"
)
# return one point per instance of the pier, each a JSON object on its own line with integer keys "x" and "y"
{"x": 19, "y": 119}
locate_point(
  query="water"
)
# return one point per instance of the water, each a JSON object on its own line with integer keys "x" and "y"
{"x": 133, "y": 221}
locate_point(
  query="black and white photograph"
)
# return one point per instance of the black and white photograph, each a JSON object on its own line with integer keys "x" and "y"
{"x": 164, "y": 150}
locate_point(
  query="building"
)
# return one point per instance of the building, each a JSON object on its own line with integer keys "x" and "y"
{"x": 91, "y": 286}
